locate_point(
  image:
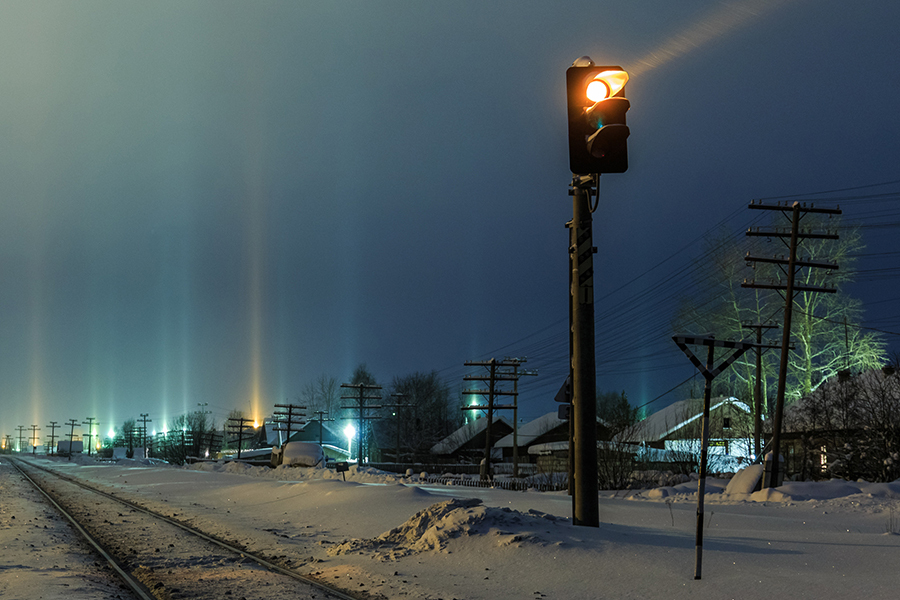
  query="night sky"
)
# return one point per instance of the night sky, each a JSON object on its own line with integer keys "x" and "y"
{"x": 218, "y": 202}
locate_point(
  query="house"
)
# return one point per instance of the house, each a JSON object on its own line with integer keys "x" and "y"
{"x": 847, "y": 427}
{"x": 467, "y": 443}
{"x": 319, "y": 432}
{"x": 546, "y": 429}
{"x": 676, "y": 429}
{"x": 71, "y": 447}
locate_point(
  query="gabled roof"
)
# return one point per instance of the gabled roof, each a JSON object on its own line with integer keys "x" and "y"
{"x": 309, "y": 432}
{"x": 461, "y": 436}
{"x": 675, "y": 416}
{"x": 531, "y": 431}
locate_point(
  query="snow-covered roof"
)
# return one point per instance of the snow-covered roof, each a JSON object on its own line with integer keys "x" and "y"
{"x": 859, "y": 388}
{"x": 458, "y": 438}
{"x": 675, "y": 416}
{"x": 532, "y": 430}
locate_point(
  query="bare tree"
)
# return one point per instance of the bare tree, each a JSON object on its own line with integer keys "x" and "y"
{"x": 825, "y": 332}
{"x": 323, "y": 394}
{"x": 430, "y": 416}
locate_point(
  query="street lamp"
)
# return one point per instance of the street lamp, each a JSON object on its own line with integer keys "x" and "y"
{"x": 350, "y": 432}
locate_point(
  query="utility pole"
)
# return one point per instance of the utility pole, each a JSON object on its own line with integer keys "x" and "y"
{"x": 21, "y": 438}
{"x": 144, "y": 420}
{"x": 396, "y": 407}
{"x": 757, "y": 385}
{"x": 362, "y": 407}
{"x": 789, "y": 267}
{"x": 516, "y": 374}
{"x": 237, "y": 427}
{"x": 34, "y": 430}
{"x": 52, "y": 426}
{"x": 584, "y": 373}
{"x": 321, "y": 418}
{"x": 290, "y": 416}
{"x": 72, "y": 423}
{"x": 90, "y": 433}
{"x": 495, "y": 375}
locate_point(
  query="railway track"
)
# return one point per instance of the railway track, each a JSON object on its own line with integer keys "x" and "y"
{"x": 159, "y": 558}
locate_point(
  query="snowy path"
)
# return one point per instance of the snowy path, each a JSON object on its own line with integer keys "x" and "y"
{"x": 516, "y": 545}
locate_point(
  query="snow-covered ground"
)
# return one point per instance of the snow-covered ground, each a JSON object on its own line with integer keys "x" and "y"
{"x": 393, "y": 537}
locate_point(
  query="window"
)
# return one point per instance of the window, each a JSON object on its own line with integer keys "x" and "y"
{"x": 726, "y": 423}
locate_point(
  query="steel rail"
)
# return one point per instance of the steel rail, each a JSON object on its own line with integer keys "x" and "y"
{"x": 136, "y": 586}
{"x": 342, "y": 595}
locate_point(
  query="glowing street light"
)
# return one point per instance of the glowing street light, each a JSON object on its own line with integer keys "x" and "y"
{"x": 350, "y": 432}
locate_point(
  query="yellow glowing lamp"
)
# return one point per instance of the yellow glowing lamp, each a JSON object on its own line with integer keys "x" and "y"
{"x": 605, "y": 85}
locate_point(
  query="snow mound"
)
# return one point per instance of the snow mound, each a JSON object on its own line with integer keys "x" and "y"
{"x": 432, "y": 528}
{"x": 745, "y": 481}
{"x": 684, "y": 490}
{"x": 302, "y": 454}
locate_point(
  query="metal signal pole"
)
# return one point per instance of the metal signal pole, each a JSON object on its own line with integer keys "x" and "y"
{"x": 709, "y": 373}
{"x": 585, "y": 502}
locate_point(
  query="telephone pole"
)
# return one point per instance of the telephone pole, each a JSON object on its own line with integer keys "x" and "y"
{"x": 516, "y": 374}
{"x": 396, "y": 407}
{"x": 144, "y": 420}
{"x": 362, "y": 407}
{"x": 789, "y": 267}
{"x": 290, "y": 415}
{"x": 238, "y": 426}
{"x": 90, "y": 433}
{"x": 52, "y": 448}
{"x": 72, "y": 423}
{"x": 321, "y": 417}
{"x": 21, "y": 437}
{"x": 496, "y": 374}
{"x": 34, "y": 430}
{"x": 757, "y": 385}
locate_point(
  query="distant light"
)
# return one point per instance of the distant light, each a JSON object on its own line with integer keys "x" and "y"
{"x": 350, "y": 431}
{"x": 111, "y": 433}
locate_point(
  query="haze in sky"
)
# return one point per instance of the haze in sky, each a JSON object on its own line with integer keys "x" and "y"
{"x": 218, "y": 202}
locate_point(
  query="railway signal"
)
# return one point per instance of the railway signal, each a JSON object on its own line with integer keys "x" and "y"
{"x": 596, "y": 107}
